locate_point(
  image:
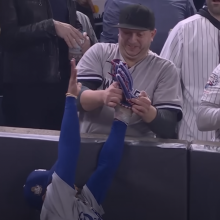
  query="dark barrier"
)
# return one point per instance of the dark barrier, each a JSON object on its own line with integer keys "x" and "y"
{"x": 1, "y": 114}
{"x": 151, "y": 182}
{"x": 204, "y": 181}
{"x": 1, "y": 83}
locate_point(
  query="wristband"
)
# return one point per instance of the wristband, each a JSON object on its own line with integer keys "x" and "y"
{"x": 71, "y": 95}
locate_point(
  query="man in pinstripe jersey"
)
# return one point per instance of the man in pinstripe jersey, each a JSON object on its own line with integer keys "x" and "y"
{"x": 193, "y": 46}
{"x": 208, "y": 117}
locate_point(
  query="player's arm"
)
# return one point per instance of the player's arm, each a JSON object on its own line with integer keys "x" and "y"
{"x": 110, "y": 155}
{"x": 173, "y": 47}
{"x": 208, "y": 116}
{"x": 69, "y": 142}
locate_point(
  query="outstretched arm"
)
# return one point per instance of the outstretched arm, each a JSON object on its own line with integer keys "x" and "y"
{"x": 110, "y": 155}
{"x": 69, "y": 143}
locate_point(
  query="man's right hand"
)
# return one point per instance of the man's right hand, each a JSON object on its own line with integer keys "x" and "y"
{"x": 112, "y": 96}
{"x": 70, "y": 34}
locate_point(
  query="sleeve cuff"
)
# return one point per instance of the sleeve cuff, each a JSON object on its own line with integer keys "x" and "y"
{"x": 51, "y": 28}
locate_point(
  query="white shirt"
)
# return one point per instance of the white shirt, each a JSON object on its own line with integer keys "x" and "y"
{"x": 193, "y": 46}
{"x": 208, "y": 117}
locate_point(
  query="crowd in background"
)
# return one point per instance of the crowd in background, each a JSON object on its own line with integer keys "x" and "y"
{"x": 35, "y": 50}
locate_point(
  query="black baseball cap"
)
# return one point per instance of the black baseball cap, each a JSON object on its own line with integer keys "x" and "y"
{"x": 136, "y": 17}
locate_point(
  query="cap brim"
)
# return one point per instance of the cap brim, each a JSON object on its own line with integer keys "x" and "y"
{"x": 127, "y": 26}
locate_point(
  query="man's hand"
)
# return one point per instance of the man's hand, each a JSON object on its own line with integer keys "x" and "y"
{"x": 74, "y": 87}
{"x": 70, "y": 34}
{"x": 112, "y": 96}
{"x": 86, "y": 45}
{"x": 142, "y": 107}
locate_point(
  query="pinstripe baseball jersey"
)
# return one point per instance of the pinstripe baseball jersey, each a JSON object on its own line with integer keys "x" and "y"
{"x": 209, "y": 110}
{"x": 155, "y": 75}
{"x": 193, "y": 46}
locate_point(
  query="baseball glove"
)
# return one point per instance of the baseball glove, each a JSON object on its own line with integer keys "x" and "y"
{"x": 121, "y": 74}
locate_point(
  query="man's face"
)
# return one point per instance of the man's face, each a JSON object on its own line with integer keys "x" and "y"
{"x": 214, "y": 7}
{"x": 133, "y": 43}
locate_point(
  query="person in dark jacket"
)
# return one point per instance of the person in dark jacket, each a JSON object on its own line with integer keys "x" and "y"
{"x": 87, "y": 8}
{"x": 36, "y": 36}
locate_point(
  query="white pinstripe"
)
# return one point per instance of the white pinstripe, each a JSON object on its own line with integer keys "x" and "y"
{"x": 194, "y": 48}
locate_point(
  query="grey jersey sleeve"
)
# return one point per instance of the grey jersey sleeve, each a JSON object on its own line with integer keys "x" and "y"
{"x": 89, "y": 67}
{"x": 208, "y": 117}
{"x": 87, "y": 27}
{"x": 168, "y": 92}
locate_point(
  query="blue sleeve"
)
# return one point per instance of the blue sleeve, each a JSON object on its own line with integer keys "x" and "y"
{"x": 69, "y": 143}
{"x": 108, "y": 162}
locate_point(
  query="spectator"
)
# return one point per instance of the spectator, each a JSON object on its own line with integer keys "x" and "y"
{"x": 167, "y": 12}
{"x": 208, "y": 117}
{"x": 193, "y": 46}
{"x": 155, "y": 76}
{"x": 86, "y": 7}
{"x": 87, "y": 27}
{"x": 36, "y": 60}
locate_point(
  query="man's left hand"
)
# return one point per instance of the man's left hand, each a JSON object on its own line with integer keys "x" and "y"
{"x": 86, "y": 45}
{"x": 142, "y": 107}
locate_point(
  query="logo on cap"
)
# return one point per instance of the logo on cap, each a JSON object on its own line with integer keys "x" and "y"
{"x": 37, "y": 190}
